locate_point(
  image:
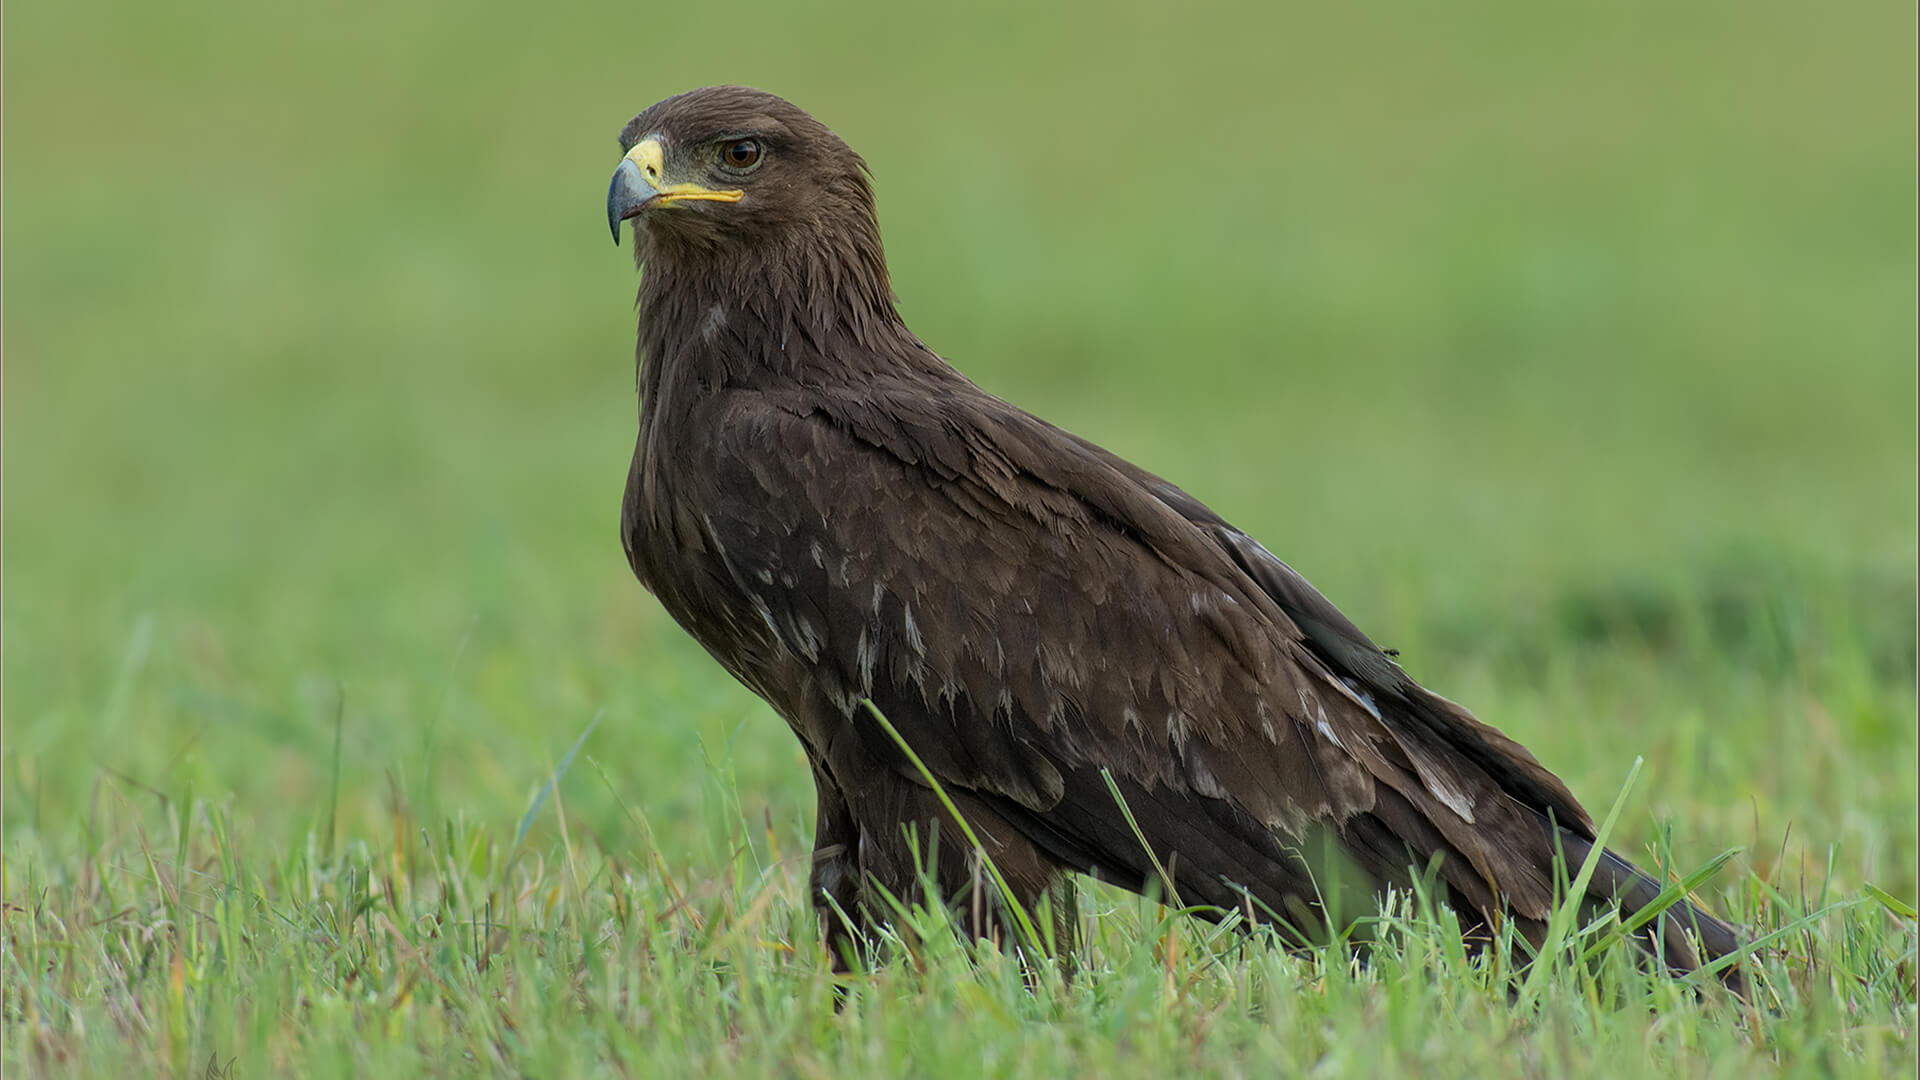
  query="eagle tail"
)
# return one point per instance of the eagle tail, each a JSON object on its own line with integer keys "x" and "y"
{"x": 1212, "y": 853}
{"x": 1396, "y": 833}
{"x": 1683, "y": 936}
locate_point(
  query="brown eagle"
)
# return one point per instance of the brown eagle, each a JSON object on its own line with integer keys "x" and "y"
{"x": 841, "y": 517}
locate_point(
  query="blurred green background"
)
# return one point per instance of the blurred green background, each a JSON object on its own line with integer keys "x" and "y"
{"x": 1569, "y": 347}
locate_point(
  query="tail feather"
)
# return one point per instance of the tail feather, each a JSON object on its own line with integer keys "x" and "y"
{"x": 1217, "y": 854}
{"x": 1684, "y": 937}
{"x": 1222, "y": 856}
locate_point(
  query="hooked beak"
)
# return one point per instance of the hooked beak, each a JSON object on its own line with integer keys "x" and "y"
{"x": 627, "y": 196}
{"x": 640, "y": 184}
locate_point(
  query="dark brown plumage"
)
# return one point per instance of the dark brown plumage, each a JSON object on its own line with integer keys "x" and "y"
{"x": 838, "y": 515}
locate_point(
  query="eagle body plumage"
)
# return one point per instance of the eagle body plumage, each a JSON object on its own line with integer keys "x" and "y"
{"x": 839, "y": 517}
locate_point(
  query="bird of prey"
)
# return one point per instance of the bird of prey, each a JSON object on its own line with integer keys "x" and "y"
{"x": 841, "y": 518}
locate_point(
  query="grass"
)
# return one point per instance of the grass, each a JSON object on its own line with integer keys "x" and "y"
{"x": 1571, "y": 352}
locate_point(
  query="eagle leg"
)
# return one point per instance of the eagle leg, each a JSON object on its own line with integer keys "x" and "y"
{"x": 883, "y": 838}
{"x": 834, "y": 882}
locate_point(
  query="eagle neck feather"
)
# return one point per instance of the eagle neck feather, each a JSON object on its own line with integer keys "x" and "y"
{"x": 813, "y": 308}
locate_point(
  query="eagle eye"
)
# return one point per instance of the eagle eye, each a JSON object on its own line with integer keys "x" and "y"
{"x": 740, "y": 154}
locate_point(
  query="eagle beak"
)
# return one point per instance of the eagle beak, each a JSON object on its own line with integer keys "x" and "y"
{"x": 640, "y": 183}
{"x": 627, "y": 196}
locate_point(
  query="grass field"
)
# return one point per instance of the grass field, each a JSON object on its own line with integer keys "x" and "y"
{"x": 1571, "y": 351}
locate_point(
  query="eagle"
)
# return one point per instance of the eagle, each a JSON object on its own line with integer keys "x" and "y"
{"x": 1095, "y": 671}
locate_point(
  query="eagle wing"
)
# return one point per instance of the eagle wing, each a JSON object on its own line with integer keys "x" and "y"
{"x": 1029, "y": 611}
{"x": 1363, "y": 665}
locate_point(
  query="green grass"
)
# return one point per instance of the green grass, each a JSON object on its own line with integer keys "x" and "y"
{"x": 1570, "y": 351}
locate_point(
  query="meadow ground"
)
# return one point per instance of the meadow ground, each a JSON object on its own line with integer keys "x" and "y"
{"x": 1571, "y": 352}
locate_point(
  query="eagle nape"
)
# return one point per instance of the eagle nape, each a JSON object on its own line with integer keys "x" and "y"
{"x": 840, "y": 517}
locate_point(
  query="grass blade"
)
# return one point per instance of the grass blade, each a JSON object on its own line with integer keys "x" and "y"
{"x": 1567, "y": 913}
{"x": 333, "y": 786}
{"x": 1028, "y": 933}
{"x": 1669, "y": 896}
{"x": 1166, "y": 879}
{"x": 1890, "y": 902}
{"x": 546, "y": 789}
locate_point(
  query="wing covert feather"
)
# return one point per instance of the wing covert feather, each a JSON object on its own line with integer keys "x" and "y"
{"x": 1011, "y": 629}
